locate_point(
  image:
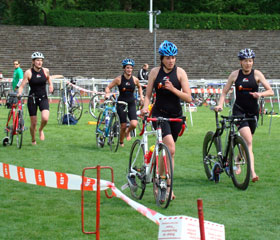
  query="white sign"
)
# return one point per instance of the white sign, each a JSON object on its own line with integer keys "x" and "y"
{"x": 187, "y": 228}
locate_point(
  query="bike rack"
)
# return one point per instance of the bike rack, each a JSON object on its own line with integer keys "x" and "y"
{"x": 97, "y": 228}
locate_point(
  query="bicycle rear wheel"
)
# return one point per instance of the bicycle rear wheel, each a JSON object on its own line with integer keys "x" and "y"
{"x": 76, "y": 108}
{"x": 100, "y": 131}
{"x": 20, "y": 129}
{"x": 210, "y": 153}
{"x": 3, "y": 98}
{"x": 136, "y": 170}
{"x": 163, "y": 182}
{"x": 239, "y": 161}
{"x": 60, "y": 111}
{"x": 96, "y": 105}
{"x": 114, "y": 132}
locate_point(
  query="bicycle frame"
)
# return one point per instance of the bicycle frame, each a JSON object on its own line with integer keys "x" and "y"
{"x": 16, "y": 114}
{"x": 110, "y": 130}
{"x": 234, "y": 158}
{"x": 144, "y": 142}
{"x": 107, "y": 111}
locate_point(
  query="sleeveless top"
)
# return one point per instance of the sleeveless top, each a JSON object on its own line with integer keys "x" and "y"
{"x": 166, "y": 101}
{"x": 243, "y": 85}
{"x": 126, "y": 89}
{"x": 38, "y": 83}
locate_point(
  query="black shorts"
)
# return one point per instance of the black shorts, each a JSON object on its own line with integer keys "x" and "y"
{"x": 131, "y": 113}
{"x": 172, "y": 128}
{"x": 34, "y": 102}
{"x": 251, "y": 124}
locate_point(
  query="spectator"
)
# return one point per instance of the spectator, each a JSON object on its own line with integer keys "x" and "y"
{"x": 143, "y": 72}
{"x": 18, "y": 75}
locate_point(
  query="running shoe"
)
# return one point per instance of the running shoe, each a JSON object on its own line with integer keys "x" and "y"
{"x": 216, "y": 170}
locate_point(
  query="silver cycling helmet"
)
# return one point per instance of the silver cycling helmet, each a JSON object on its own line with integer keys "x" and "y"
{"x": 246, "y": 53}
{"x": 37, "y": 55}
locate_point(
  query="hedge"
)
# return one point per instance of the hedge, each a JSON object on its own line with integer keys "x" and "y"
{"x": 165, "y": 20}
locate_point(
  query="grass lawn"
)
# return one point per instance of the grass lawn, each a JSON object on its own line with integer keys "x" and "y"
{"x": 34, "y": 212}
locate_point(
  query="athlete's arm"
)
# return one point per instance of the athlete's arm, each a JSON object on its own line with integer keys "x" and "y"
{"x": 137, "y": 83}
{"x": 49, "y": 80}
{"x": 231, "y": 79}
{"x": 261, "y": 79}
{"x": 26, "y": 78}
{"x": 112, "y": 84}
{"x": 185, "y": 94}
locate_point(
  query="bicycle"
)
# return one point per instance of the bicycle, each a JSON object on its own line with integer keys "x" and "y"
{"x": 96, "y": 104}
{"x": 108, "y": 124}
{"x": 70, "y": 102}
{"x": 15, "y": 122}
{"x": 234, "y": 159}
{"x": 146, "y": 167}
{"x": 4, "y": 89}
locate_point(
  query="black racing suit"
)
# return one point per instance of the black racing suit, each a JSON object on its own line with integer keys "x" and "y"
{"x": 245, "y": 103}
{"x": 167, "y": 104}
{"x": 126, "y": 89}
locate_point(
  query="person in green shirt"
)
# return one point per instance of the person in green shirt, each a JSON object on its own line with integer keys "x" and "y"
{"x": 18, "y": 75}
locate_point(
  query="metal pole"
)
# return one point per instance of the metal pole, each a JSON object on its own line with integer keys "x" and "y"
{"x": 155, "y": 43}
{"x": 201, "y": 218}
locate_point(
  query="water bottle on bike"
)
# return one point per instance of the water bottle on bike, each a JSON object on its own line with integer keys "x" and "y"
{"x": 107, "y": 119}
{"x": 149, "y": 155}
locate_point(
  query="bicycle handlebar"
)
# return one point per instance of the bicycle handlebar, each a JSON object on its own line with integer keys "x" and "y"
{"x": 162, "y": 119}
{"x": 237, "y": 118}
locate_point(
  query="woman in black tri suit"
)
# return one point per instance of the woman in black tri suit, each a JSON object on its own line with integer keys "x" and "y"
{"x": 171, "y": 85}
{"x": 246, "y": 82}
{"x": 37, "y": 77}
{"x": 126, "y": 84}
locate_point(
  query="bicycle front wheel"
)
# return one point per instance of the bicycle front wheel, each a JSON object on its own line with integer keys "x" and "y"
{"x": 240, "y": 165}
{"x": 163, "y": 179}
{"x": 60, "y": 111}
{"x": 76, "y": 108}
{"x": 10, "y": 127}
{"x": 95, "y": 105}
{"x": 210, "y": 152}
{"x": 100, "y": 131}
{"x": 114, "y": 132}
{"x": 20, "y": 129}
{"x": 136, "y": 170}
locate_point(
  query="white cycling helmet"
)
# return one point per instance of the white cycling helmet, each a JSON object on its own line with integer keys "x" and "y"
{"x": 37, "y": 55}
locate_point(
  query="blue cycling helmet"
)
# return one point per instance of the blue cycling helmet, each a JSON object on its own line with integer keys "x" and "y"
{"x": 128, "y": 61}
{"x": 246, "y": 53}
{"x": 167, "y": 48}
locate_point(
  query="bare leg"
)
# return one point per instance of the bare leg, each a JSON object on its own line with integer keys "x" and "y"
{"x": 122, "y": 134}
{"x": 248, "y": 137}
{"x": 33, "y": 120}
{"x": 44, "y": 120}
{"x": 132, "y": 126}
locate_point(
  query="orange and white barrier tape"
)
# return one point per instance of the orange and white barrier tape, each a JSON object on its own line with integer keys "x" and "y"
{"x": 70, "y": 182}
{"x": 6, "y": 80}
{"x": 207, "y": 90}
{"x": 175, "y": 227}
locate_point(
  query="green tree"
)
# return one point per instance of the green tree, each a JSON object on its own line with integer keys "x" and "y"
{"x": 25, "y": 12}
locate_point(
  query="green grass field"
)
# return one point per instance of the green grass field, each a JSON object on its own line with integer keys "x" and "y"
{"x": 34, "y": 212}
